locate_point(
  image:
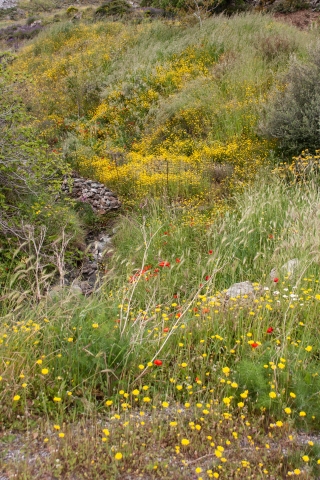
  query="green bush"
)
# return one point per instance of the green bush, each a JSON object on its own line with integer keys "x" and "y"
{"x": 71, "y": 11}
{"x": 293, "y": 117}
{"x": 113, "y": 7}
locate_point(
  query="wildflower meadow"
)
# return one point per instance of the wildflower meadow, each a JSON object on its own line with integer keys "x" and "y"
{"x": 164, "y": 371}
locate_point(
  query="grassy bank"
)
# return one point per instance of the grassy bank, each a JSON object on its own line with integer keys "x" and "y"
{"x": 161, "y": 346}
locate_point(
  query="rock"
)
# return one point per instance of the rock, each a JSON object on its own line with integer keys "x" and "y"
{"x": 76, "y": 289}
{"x": 99, "y": 246}
{"x": 92, "y": 280}
{"x": 55, "y": 291}
{"x": 96, "y": 194}
{"x": 62, "y": 290}
{"x": 86, "y": 270}
{"x": 242, "y": 288}
{"x": 273, "y": 273}
{"x": 288, "y": 269}
{"x": 105, "y": 238}
{"x": 37, "y": 22}
{"x": 5, "y": 4}
{"x": 86, "y": 288}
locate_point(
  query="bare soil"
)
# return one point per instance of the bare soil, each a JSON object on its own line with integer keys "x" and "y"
{"x": 302, "y": 19}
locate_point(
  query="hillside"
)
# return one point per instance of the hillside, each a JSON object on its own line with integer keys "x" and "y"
{"x": 178, "y": 336}
{"x": 168, "y": 102}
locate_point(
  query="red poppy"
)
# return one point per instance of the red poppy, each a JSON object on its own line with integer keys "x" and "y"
{"x": 254, "y": 345}
{"x": 175, "y": 296}
{"x": 210, "y": 252}
{"x": 276, "y": 280}
{"x": 270, "y": 236}
{"x": 164, "y": 264}
{"x": 135, "y": 276}
{"x": 270, "y": 330}
{"x": 178, "y": 260}
{"x": 207, "y": 278}
{"x": 158, "y": 363}
{"x": 178, "y": 315}
{"x": 166, "y": 329}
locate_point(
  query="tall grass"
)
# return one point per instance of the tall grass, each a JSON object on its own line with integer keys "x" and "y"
{"x": 169, "y": 274}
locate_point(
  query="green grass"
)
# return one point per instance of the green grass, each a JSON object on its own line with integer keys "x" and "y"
{"x": 159, "y": 373}
{"x": 68, "y": 356}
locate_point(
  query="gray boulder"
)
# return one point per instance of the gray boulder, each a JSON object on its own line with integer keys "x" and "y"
{"x": 288, "y": 269}
{"x": 240, "y": 289}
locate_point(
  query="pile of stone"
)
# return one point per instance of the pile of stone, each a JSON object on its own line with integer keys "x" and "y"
{"x": 5, "y": 4}
{"x": 101, "y": 199}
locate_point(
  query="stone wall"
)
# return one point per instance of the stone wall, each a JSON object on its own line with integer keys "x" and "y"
{"x": 101, "y": 199}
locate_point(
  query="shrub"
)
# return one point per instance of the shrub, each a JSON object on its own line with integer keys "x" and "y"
{"x": 72, "y": 11}
{"x": 113, "y": 7}
{"x": 293, "y": 117}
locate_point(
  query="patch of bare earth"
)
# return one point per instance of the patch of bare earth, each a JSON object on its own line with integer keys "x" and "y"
{"x": 302, "y": 19}
{"x": 153, "y": 449}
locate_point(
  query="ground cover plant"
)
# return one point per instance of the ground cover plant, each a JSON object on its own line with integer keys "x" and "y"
{"x": 162, "y": 371}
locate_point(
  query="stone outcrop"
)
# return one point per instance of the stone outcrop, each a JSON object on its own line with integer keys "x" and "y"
{"x": 101, "y": 199}
{"x": 288, "y": 269}
{"x": 242, "y": 288}
{"x": 5, "y": 4}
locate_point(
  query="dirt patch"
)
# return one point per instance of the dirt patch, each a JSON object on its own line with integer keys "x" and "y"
{"x": 302, "y": 19}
